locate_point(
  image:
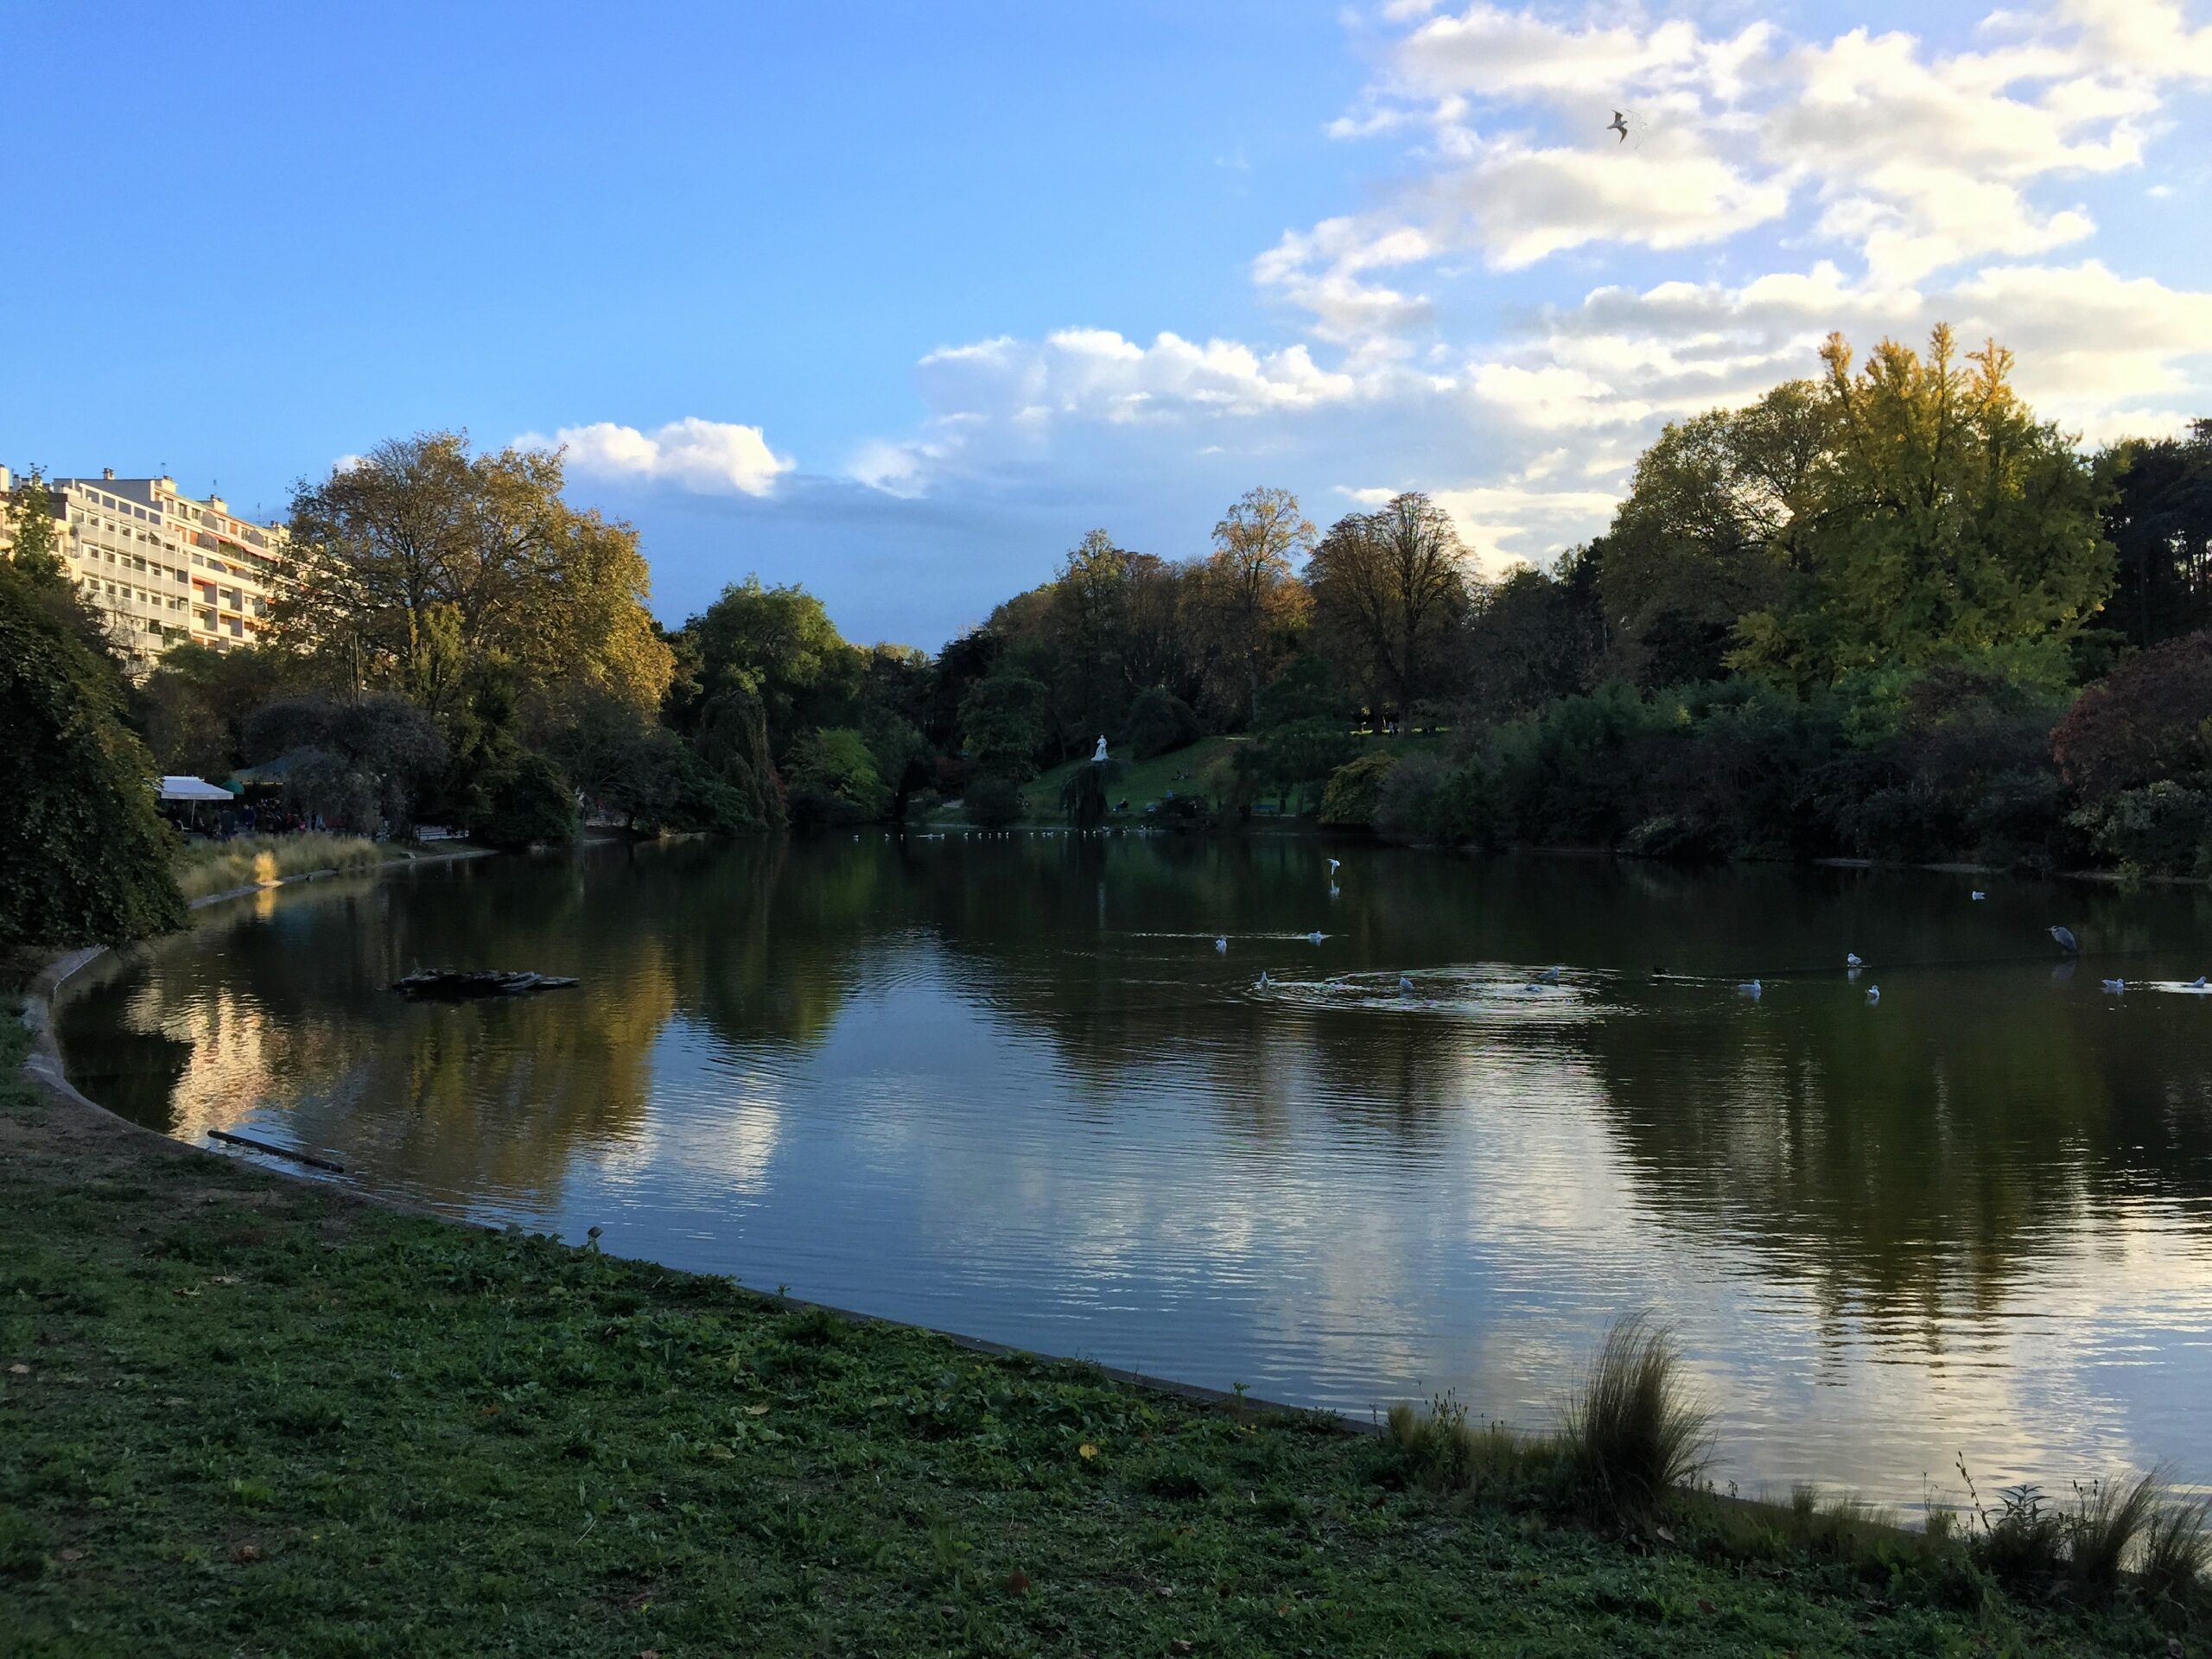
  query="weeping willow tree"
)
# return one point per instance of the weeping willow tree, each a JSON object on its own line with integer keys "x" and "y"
{"x": 1084, "y": 798}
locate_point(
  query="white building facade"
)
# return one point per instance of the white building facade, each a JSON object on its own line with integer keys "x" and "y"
{"x": 162, "y": 568}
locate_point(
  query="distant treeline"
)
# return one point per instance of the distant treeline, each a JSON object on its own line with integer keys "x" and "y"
{"x": 1885, "y": 611}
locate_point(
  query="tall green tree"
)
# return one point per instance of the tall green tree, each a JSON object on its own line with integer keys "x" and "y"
{"x": 1951, "y": 521}
{"x": 780, "y": 645}
{"x": 424, "y": 558}
{"x": 2158, "y": 518}
{"x": 84, "y": 858}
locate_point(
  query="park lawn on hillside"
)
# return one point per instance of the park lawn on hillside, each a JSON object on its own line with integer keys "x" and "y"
{"x": 244, "y": 1414}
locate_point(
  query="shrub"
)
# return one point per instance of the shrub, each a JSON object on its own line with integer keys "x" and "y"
{"x": 84, "y": 857}
{"x": 2164, "y": 828}
{"x": 1444, "y": 1452}
{"x": 994, "y": 801}
{"x": 1354, "y": 789}
{"x": 1633, "y": 1433}
{"x": 2176, "y": 1550}
{"x": 2106, "y": 1521}
{"x": 2151, "y": 719}
{"x": 530, "y": 803}
{"x": 1158, "y": 723}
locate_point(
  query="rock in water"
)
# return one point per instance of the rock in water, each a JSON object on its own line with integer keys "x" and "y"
{"x": 453, "y": 984}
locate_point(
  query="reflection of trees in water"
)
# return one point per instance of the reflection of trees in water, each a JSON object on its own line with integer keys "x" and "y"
{"x": 1911, "y": 1155}
{"x": 1914, "y": 1155}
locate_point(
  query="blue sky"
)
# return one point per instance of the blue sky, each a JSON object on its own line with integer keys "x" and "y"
{"x": 899, "y": 300}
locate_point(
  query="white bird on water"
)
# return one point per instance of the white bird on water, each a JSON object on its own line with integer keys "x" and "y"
{"x": 1222, "y": 945}
{"x": 1314, "y": 938}
{"x": 1873, "y": 995}
{"x": 2198, "y": 984}
{"x": 1263, "y": 985}
{"x": 1405, "y": 985}
{"x": 1548, "y": 977}
{"x": 1851, "y": 959}
{"x": 2116, "y": 986}
{"x": 1750, "y": 987}
{"x": 1978, "y": 895}
{"x": 1335, "y": 864}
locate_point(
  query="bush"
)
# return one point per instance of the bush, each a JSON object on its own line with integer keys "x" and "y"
{"x": 1634, "y": 1434}
{"x": 1355, "y": 788}
{"x": 2165, "y": 829}
{"x": 1158, "y": 723}
{"x": 2152, "y": 718}
{"x": 530, "y": 804}
{"x": 994, "y": 801}
{"x": 84, "y": 857}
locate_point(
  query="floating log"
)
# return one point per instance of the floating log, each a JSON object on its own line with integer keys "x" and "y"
{"x": 275, "y": 1151}
{"x": 451, "y": 984}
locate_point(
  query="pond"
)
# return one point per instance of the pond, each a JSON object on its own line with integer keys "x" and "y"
{"x": 1009, "y": 1086}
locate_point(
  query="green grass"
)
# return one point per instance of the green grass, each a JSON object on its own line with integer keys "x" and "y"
{"x": 240, "y": 1415}
{"x": 211, "y": 866}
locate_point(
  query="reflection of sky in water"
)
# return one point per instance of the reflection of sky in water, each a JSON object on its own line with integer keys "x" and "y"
{"x": 1104, "y": 1139}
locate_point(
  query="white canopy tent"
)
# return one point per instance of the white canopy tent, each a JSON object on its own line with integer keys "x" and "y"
{"x": 194, "y": 788}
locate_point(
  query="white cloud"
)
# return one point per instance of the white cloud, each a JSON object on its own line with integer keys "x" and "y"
{"x": 709, "y": 457}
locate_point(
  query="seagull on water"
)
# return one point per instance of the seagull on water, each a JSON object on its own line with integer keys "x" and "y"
{"x": 2116, "y": 986}
{"x": 1851, "y": 959}
{"x": 1751, "y": 987}
{"x": 1335, "y": 864}
{"x": 2198, "y": 984}
{"x": 1873, "y": 995}
{"x": 1263, "y": 985}
{"x": 1549, "y": 976}
{"x": 2066, "y": 939}
{"x": 1405, "y": 985}
{"x": 1619, "y": 124}
{"x": 1978, "y": 895}
{"x": 1222, "y": 945}
{"x": 1314, "y": 938}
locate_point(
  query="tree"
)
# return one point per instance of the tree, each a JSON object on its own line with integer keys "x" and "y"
{"x": 1388, "y": 586}
{"x": 1951, "y": 521}
{"x": 1251, "y": 581}
{"x": 1089, "y": 623}
{"x": 421, "y": 559}
{"x": 833, "y": 779}
{"x": 84, "y": 858}
{"x": 2158, "y": 518}
{"x": 2150, "y": 722}
{"x": 196, "y": 703}
{"x": 37, "y": 549}
{"x": 530, "y": 804}
{"x": 780, "y": 645}
{"x": 1158, "y": 722}
{"x": 359, "y": 766}
{"x": 1535, "y": 636}
{"x": 1002, "y": 718}
{"x": 1720, "y": 508}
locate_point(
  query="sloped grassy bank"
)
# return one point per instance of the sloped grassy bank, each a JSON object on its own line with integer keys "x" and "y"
{"x": 240, "y": 1413}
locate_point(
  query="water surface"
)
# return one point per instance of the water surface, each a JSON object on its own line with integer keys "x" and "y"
{"x": 1009, "y": 1086}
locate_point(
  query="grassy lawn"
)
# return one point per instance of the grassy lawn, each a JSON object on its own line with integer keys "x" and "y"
{"x": 240, "y": 1415}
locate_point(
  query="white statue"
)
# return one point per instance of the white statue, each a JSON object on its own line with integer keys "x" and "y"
{"x": 1101, "y": 753}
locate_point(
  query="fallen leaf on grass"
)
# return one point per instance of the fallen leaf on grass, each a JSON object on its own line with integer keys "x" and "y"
{"x": 757, "y": 1411}
{"x": 225, "y": 1278}
{"x": 1017, "y": 1583}
{"x": 19, "y": 1369}
{"x": 242, "y": 1554}
{"x": 1705, "y": 1606}
{"x": 1665, "y": 1536}
{"x": 1086, "y": 1451}
{"x": 69, "y": 1555}
{"x": 1179, "y": 1645}
{"x": 1163, "y": 1591}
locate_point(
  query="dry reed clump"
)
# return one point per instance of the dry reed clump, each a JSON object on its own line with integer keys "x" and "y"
{"x": 1635, "y": 1432}
{"x": 209, "y": 867}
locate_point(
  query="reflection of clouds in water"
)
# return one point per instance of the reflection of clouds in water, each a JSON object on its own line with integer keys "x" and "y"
{"x": 717, "y": 1119}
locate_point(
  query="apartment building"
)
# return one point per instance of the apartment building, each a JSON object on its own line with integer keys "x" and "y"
{"x": 163, "y": 567}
